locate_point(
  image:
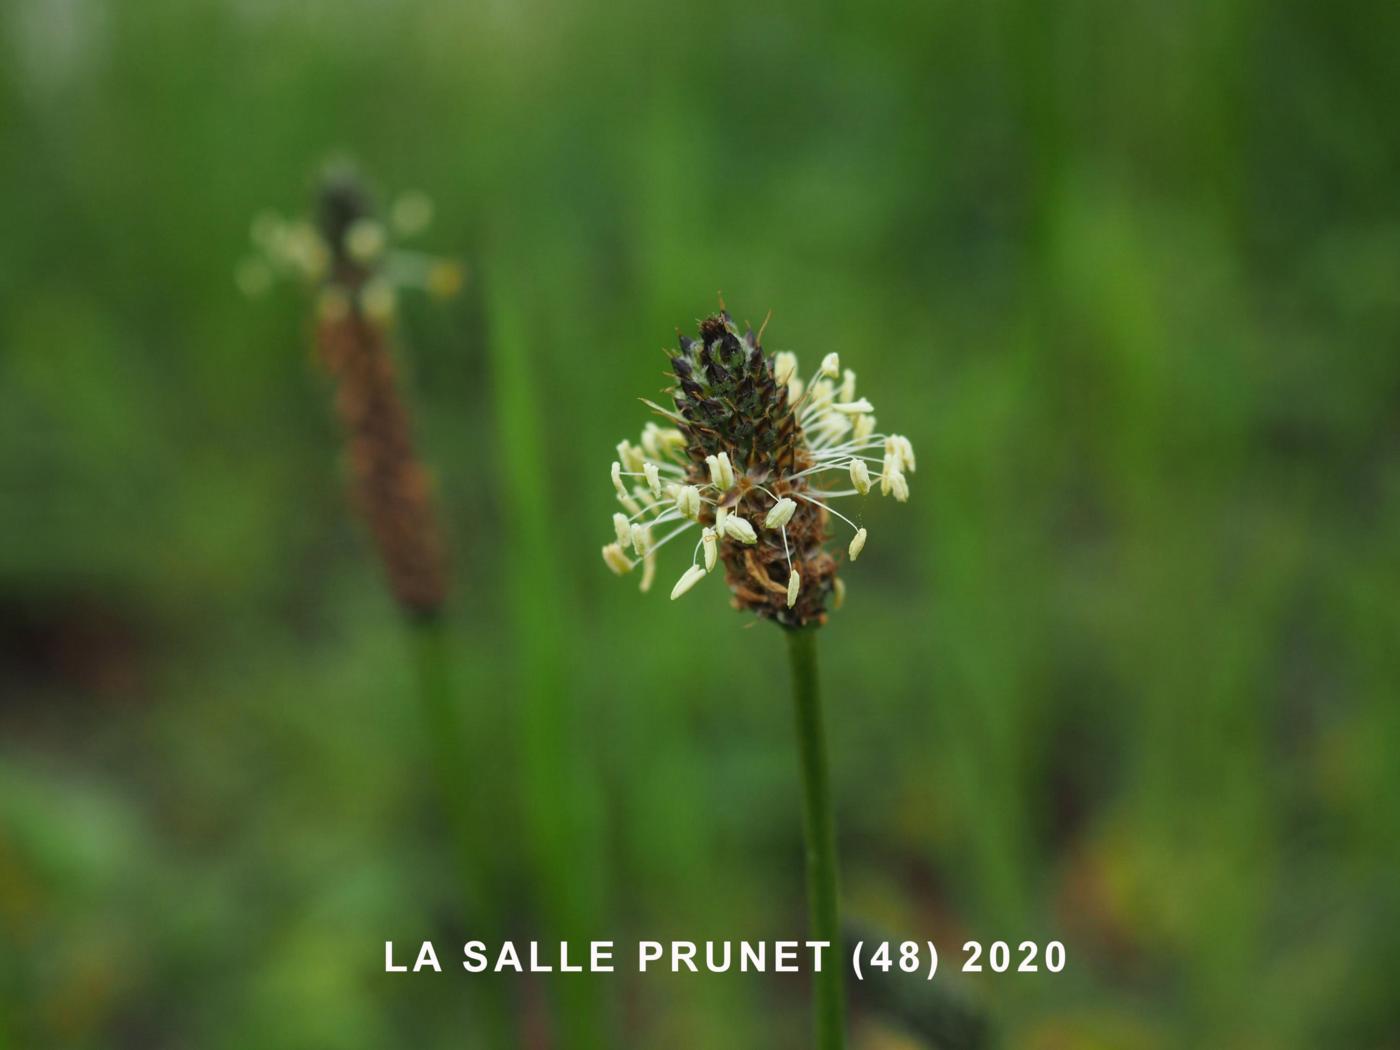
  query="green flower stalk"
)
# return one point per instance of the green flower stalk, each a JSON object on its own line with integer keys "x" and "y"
{"x": 753, "y": 456}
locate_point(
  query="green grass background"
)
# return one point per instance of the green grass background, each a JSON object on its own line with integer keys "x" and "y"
{"x": 1124, "y": 672}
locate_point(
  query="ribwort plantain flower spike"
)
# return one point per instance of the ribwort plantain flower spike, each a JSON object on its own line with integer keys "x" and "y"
{"x": 348, "y": 259}
{"x": 753, "y": 456}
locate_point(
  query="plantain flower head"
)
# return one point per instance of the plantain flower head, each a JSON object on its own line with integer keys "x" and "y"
{"x": 349, "y": 253}
{"x": 753, "y": 456}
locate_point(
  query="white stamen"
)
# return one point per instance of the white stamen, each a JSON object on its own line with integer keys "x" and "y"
{"x": 378, "y": 300}
{"x": 711, "y": 545}
{"x": 857, "y": 544}
{"x": 906, "y": 451}
{"x": 860, "y": 476}
{"x": 641, "y": 538}
{"x": 900, "y": 485}
{"x": 864, "y": 427}
{"x": 854, "y": 408}
{"x": 648, "y": 571}
{"x": 365, "y": 240}
{"x": 617, "y": 481}
{"x": 784, "y": 367}
{"x": 794, "y": 585}
{"x": 781, "y": 514}
{"x": 739, "y": 529}
{"x": 819, "y": 398}
{"x": 728, "y": 470}
{"x": 688, "y": 501}
{"x": 721, "y": 515}
{"x": 716, "y": 473}
{"x": 616, "y": 560}
{"x": 689, "y": 579}
{"x": 631, "y": 456}
{"x": 653, "y": 478}
{"x": 624, "y": 530}
{"x": 650, "y": 445}
{"x": 831, "y": 366}
{"x": 848, "y": 386}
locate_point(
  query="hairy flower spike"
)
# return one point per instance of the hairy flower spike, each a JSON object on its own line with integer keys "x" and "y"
{"x": 754, "y": 456}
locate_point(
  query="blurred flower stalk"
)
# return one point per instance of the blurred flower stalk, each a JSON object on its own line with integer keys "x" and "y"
{"x": 753, "y": 456}
{"x": 349, "y": 257}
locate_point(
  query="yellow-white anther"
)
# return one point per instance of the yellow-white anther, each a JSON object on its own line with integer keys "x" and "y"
{"x": 900, "y": 485}
{"x": 848, "y": 385}
{"x": 838, "y": 593}
{"x": 795, "y": 388}
{"x": 860, "y": 476}
{"x": 379, "y": 300}
{"x": 864, "y": 427}
{"x": 444, "y": 279}
{"x": 641, "y": 538}
{"x": 617, "y": 481}
{"x": 857, "y": 544}
{"x": 854, "y": 408}
{"x": 831, "y": 366}
{"x": 784, "y": 367}
{"x": 710, "y": 543}
{"x": 648, "y": 571}
{"x": 616, "y": 560}
{"x": 689, "y": 579}
{"x": 623, "y": 529}
{"x": 889, "y": 467}
{"x": 299, "y": 247}
{"x": 653, "y": 473}
{"x": 906, "y": 452}
{"x": 365, "y": 240}
{"x": 822, "y": 394}
{"x": 716, "y": 474}
{"x": 739, "y": 529}
{"x": 727, "y": 469}
{"x": 781, "y": 514}
{"x": 631, "y": 456}
{"x": 688, "y": 501}
{"x": 794, "y": 585}
{"x": 721, "y": 515}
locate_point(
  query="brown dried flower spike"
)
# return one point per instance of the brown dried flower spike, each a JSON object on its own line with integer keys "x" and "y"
{"x": 749, "y": 442}
{"x": 348, "y": 258}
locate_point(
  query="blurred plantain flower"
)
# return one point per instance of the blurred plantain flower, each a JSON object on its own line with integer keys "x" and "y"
{"x": 746, "y": 457}
{"x": 348, "y": 251}
{"x": 348, "y": 256}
